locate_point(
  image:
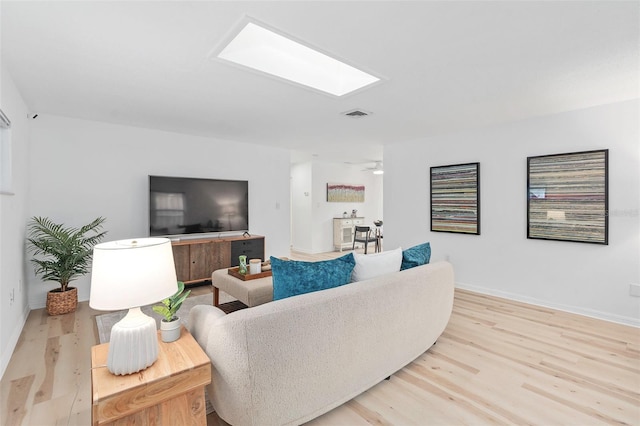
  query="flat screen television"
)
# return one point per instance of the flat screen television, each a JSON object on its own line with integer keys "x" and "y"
{"x": 181, "y": 205}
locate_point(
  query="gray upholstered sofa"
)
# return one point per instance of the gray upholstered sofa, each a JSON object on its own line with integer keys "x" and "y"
{"x": 291, "y": 360}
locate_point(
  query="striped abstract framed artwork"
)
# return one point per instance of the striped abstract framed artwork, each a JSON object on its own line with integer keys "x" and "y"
{"x": 455, "y": 198}
{"x": 567, "y": 197}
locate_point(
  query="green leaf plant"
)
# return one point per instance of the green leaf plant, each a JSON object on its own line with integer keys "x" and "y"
{"x": 171, "y": 304}
{"x": 62, "y": 253}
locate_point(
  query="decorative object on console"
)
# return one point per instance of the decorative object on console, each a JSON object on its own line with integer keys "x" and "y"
{"x": 345, "y": 193}
{"x": 291, "y": 277}
{"x": 170, "y": 324}
{"x": 66, "y": 255}
{"x": 416, "y": 256}
{"x": 128, "y": 274}
{"x": 567, "y": 197}
{"x": 455, "y": 198}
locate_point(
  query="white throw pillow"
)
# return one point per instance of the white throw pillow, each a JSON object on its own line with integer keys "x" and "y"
{"x": 373, "y": 265}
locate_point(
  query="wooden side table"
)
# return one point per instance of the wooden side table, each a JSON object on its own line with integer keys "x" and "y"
{"x": 170, "y": 392}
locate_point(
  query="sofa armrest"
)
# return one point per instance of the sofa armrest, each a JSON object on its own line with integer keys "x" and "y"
{"x": 201, "y": 317}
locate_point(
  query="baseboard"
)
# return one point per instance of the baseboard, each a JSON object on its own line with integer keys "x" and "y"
{"x": 634, "y": 322}
{"x": 13, "y": 341}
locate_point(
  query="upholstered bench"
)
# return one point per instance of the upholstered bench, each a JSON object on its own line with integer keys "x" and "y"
{"x": 251, "y": 292}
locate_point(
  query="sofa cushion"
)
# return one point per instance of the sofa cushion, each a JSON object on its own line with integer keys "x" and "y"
{"x": 291, "y": 277}
{"x": 372, "y": 265}
{"x": 416, "y": 256}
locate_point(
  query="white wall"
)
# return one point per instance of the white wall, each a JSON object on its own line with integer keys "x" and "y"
{"x": 313, "y": 215}
{"x": 13, "y": 313}
{"x": 81, "y": 169}
{"x": 585, "y": 278}
{"x": 301, "y": 211}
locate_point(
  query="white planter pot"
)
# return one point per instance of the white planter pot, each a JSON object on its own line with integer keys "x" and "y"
{"x": 170, "y": 331}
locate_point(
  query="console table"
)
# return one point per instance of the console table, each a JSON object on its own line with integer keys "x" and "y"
{"x": 170, "y": 392}
{"x": 196, "y": 259}
{"x": 343, "y": 231}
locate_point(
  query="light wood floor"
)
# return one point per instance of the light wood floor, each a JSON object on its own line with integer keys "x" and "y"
{"x": 498, "y": 362}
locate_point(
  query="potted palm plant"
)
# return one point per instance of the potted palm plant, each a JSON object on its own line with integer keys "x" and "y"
{"x": 62, "y": 254}
{"x": 170, "y": 324}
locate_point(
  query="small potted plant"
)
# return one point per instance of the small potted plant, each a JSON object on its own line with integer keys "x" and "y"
{"x": 64, "y": 254}
{"x": 170, "y": 324}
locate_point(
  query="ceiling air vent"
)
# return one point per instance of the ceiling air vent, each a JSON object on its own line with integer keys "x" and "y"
{"x": 356, "y": 113}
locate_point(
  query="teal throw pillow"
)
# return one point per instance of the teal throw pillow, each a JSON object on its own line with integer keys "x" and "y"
{"x": 291, "y": 277}
{"x": 416, "y": 256}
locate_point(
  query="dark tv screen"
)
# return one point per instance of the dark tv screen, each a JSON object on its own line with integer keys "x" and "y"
{"x": 179, "y": 205}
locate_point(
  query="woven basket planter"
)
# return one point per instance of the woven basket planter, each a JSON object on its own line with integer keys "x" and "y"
{"x": 59, "y": 302}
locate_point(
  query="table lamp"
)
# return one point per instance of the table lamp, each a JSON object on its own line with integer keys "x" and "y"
{"x": 127, "y": 274}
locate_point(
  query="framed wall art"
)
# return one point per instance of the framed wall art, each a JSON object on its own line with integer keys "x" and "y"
{"x": 345, "y": 193}
{"x": 455, "y": 198}
{"x": 567, "y": 197}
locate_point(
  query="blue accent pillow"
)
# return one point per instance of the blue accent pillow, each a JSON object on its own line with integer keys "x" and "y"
{"x": 416, "y": 256}
{"x": 291, "y": 277}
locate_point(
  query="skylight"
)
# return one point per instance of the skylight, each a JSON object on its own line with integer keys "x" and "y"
{"x": 263, "y": 50}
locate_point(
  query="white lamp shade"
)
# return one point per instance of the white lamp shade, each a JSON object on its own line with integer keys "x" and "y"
{"x": 132, "y": 273}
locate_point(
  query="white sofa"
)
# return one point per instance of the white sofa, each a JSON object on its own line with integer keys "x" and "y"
{"x": 291, "y": 360}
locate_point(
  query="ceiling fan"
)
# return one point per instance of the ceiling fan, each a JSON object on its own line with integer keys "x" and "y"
{"x": 377, "y": 169}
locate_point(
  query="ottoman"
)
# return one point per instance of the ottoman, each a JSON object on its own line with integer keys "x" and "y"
{"x": 250, "y": 292}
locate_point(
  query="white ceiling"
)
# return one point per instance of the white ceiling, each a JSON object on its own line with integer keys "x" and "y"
{"x": 447, "y": 66}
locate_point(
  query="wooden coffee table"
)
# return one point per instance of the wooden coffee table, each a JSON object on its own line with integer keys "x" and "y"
{"x": 250, "y": 292}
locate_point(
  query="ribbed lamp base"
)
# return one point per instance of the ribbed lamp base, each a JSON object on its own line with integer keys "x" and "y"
{"x": 133, "y": 345}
